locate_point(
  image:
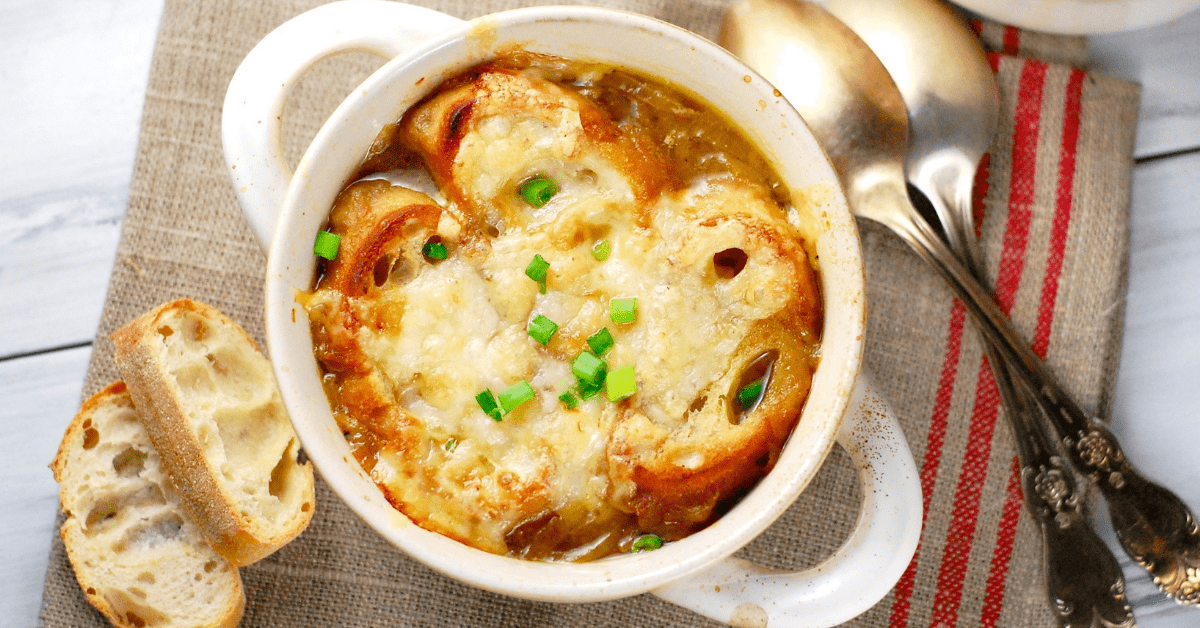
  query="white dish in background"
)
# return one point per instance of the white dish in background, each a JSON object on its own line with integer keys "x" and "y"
{"x": 1080, "y": 17}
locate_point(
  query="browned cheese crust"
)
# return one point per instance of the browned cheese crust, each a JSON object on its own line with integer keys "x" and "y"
{"x": 725, "y": 293}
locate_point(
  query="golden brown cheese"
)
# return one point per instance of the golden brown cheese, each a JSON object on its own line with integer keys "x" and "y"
{"x": 725, "y": 293}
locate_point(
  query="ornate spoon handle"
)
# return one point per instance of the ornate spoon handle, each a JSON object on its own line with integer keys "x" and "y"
{"x": 1153, "y": 525}
{"x": 1083, "y": 578}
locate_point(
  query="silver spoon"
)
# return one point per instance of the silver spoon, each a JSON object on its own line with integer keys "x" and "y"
{"x": 861, "y": 119}
{"x": 939, "y": 67}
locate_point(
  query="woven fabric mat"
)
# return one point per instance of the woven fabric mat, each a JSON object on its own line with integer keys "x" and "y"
{"x": 1053, "y": 197}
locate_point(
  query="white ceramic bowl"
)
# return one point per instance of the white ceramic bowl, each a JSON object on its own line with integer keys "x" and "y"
{"x": 287, "y": 209}
{"x": 1081, "y": 17}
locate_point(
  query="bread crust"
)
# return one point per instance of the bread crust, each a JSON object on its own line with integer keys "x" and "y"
{"x": 199, "y": 445}
{"x": 98, "y": 566}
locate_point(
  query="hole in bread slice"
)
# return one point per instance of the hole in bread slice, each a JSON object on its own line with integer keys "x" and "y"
{"x": 136, "y": 612}
{"x": 91, "y": 438}
{"x": 730, "y": 262}
{"x": 284, "y": 472}
{"x": 130, "y": 462}
{"x": 151, "y": 533}
{"x": 102, "y": 514}
{"x": 751, "y": 386}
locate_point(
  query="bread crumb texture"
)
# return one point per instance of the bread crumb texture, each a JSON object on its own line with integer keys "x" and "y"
{"x": 212, "y": 408}
{"x": 228, "y": 392}
{"x": 137, "y": 556}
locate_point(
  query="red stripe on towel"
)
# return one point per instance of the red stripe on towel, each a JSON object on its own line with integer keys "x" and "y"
{"x": 933, "y": 454}
{"x": 993, "y": 597}
{"x": 979, "y": 193}
{"x": 1012, "y": 41}
{"x": 1021, "y": 190}
{"x": 1062, "y": 211}
{"x": 961, "y": 532}
{"x": 1006, "y": 535}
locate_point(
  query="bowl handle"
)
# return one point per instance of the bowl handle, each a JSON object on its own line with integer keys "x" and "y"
{"x": 855, "y": 578}
{"x": 251, "y": 119}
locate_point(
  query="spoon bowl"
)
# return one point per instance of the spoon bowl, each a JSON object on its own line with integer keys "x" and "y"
{"x": 856, "y": 111}
{"x": 947, "y": 86}
{"x": 946, "y": 81}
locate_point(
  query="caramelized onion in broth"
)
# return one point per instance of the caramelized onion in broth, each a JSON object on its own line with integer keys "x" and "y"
{"x": 687, "y": 146}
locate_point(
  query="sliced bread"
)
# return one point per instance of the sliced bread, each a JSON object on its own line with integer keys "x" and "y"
{"x": 211, "y": 406}
{"x": 138, "y": 557}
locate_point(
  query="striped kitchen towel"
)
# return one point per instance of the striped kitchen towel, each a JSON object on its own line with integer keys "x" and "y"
{"x": 1053, "y": 197}
{"x": 1051, "y": 202}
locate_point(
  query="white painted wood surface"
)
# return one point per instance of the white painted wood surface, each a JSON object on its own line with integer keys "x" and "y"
{"x": 72, "y": 80}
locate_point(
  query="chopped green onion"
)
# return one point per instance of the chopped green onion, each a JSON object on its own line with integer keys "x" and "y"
{"x": 516, "y": 395}
{"x": 536, "y": 270}
{"x": 451, "y": 444}
{"x": 601, "y": 250}
{"x": 750, "y": 395}
{"x": 538, "y": 190}
{"x": 487, "y": 401}
{"x": 587, "y": 391}
{"x": 621, "y": 383}
{"x": 600, "y": 341}
{"x": 542, "y": 329}
{"x": 435, "y": 250}
{"x": 646, "y": 543}
{"x": 569, "y": 399}
{"x": 589, "y": 369}
{"x": 327, "y": 244}
{"x": 623, "y": 310}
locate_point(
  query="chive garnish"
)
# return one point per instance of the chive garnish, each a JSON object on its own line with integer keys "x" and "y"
{"x": 435, "y": 250}
{"x": 621, "y": 383}
{"x": 588, "y": 390}
{"x": 600, "y": 341}
{"x": 623, "y": 310}
{"x": 750, "y": 395}
{"x": 536, "y": 270}
{"x": 451, "y": 444}
{"x": 570, "y": 400}
{"x": 646, "y": 543}
{"x": 601, "y": 250}
{"x": 589, "y": 369}
{"x": 538, "y": 191}
{"x": 327, "y": 244}
{"x": 516, "y": 395}
{"x": 542, "y": 329}
{"x": 487, "y": 401}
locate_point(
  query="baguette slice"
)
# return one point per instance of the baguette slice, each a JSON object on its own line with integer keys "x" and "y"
{"x": 212, "y": 408}
{"x": 137, "y": 556}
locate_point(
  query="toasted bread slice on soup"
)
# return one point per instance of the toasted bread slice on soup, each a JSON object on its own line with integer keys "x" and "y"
{"x": 211, "y": 407}
{"x": 726, "y": 295}
{"x": 137, "y": 555}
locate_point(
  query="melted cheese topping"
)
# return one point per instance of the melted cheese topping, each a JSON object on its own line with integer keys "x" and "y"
{"x": 562, "y": 481}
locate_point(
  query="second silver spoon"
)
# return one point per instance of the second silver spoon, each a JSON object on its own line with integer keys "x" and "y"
{"x": 926, "y": 49}
{"x": 779, "y": 37}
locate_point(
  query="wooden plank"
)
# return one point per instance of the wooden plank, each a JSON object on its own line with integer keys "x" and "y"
{"x": 75, "y": 79}
{"x": 1156, "y": 395}
{"x": 39, "y": 396}
{"x": 1164, "y": 60}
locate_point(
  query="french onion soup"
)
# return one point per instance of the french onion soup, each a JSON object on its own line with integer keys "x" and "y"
{"x": 591, "y": 336}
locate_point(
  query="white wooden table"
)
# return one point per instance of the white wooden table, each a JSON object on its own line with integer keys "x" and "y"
{"x": 72, "y": 80}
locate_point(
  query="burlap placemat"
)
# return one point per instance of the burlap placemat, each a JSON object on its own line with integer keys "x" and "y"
{"x": 1054, "y": 199}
